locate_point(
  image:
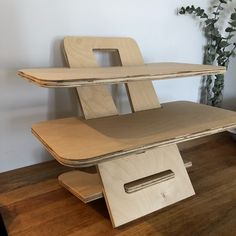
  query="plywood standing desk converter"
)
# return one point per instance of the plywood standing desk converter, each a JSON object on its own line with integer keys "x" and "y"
{"x": 139, "y": 167}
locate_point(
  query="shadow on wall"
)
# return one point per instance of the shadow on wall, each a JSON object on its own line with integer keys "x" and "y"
{"x": 229, "y": 101}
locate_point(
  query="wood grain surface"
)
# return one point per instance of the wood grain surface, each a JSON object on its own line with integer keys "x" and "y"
{"x": 84, "y": 185}
{"x": 124, "y": 207}
{"x": 96, "y": 101}
{"x": 33, "y": 203}
{"x": 74, "y": 77}
{"x": 79, "y": 142}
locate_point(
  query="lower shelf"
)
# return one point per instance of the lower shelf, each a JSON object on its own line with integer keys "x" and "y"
{"x": 87, "y": 186}
{"x": 77, "y": 142}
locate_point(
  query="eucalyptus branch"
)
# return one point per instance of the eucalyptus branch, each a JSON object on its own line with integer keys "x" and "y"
{"x": 217, "y": 47}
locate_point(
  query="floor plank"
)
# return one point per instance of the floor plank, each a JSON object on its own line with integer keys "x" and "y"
{"x": 33, "y": 203}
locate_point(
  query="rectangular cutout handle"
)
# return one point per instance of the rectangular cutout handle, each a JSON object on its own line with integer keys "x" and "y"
{"x": 148, "y": 181}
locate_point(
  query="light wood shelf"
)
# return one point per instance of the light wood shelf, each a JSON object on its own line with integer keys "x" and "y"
{"x": 77, "y": 142}
{"x": 74, "y": 77}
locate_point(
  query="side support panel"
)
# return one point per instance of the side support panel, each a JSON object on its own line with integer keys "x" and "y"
{"x": 139, "y": 184}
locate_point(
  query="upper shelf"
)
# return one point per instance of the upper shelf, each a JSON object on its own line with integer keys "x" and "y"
{"x": 71, "y": 77}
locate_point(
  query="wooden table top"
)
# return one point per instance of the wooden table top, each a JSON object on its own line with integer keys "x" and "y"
{"x": 74, "y": 77}
{"x": 33, "y": 203}
{"x": 78, "y": 142}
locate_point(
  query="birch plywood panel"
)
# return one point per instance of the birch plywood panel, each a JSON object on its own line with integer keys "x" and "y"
{"x": 86, "y": 186}
{"x": 125, "y": 207}
{"x": 95, "y": 101}
{"x": 78, "y": 142}
{"x": 65, "y": 77}
{"x": 142, "y": 101}
{"x": 79, "y": 53}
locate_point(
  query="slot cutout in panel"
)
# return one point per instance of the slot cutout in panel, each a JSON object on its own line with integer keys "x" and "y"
{"x": 148, "y": 181}
{"x": 107, "y": 57}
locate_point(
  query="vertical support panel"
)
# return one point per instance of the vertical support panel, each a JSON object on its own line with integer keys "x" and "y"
{"x": 79, "y": 52}
{"x": 167, "y": 182}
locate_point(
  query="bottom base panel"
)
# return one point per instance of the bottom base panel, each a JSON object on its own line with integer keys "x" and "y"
{"x": 87, "y": 186}
{"x": 84, "y": 185}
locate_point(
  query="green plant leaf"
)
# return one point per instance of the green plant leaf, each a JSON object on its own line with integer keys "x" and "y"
{"x": 208, "y": 21}
{"x": 233, "y": 16}
{"x": 224, "y": 44}
{"x": 232, "y": 23}
{"x": 230, "y": 29}
{"x": 215, "y": 32}
{"x": 230, "y": 36}
{"x": 200, "y": 12}
{"x": 204, "y": 15}
{"x": 209, "y": 27}
{"x": 182, "y": 11}
{"x": 198, "y": 9}
{"x": 219, "y": 49}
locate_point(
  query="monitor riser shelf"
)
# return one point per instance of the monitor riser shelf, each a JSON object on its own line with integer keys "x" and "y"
{"x": 140, "y": 179}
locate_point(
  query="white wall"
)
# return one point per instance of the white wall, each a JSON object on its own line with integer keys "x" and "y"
{"x": 31, "y": 34}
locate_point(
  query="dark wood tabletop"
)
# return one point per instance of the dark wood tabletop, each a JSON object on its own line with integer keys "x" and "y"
{"x": 3, "y": 231}
{"x": 33, "y": 203}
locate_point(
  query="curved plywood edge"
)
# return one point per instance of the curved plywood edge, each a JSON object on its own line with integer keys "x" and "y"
{"x": 85, "y": 186}
{"x": 74, "y": 77}
{"x": 79, "y": 143}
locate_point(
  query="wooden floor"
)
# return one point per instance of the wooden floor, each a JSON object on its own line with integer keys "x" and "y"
{"x": 33, "y": 203}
